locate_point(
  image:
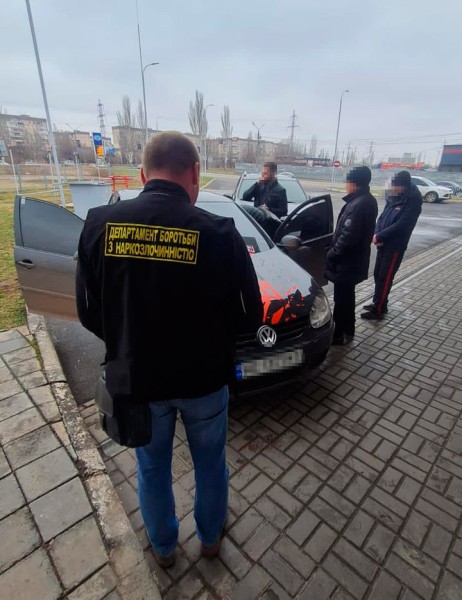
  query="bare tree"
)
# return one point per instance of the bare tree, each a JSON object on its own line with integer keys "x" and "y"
{"x": 226, "y": 133}
{"x": 198, "y": 117}
{"x": 313, "y": 146}
{"x": 140, "y": 114}
{"x": 130, "y": 135}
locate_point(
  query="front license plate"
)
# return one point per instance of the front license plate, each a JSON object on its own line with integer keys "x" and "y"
{"x": 270, "y": 364}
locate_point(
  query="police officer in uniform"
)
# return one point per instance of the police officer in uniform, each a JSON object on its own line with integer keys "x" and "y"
{"x": 167, "y": 286}
{"x": 392, "y": 233}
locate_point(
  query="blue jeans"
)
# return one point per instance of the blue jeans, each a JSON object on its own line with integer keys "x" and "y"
{"x": 206, "y": 423}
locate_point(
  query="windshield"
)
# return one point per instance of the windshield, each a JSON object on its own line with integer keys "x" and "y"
{"x": 254, "y": 240}
{"x": 295, "y": 193}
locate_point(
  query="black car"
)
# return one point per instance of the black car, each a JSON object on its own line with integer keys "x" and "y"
{"x": 298, "y": 325}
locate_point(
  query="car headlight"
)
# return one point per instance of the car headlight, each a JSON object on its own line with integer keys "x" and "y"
{"x": 320, "y": 312}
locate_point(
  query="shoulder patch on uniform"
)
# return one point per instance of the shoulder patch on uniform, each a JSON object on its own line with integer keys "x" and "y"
{"x": 348, "y": 222}
{"x": 150, "y": 242}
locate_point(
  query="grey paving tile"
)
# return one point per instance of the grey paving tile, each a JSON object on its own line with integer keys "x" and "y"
{"x": 19, "y": 425}
{"x": 11, "y": 497}
{"x": 78, "y": 552}
{"x": 30, "y": 579}
{"x": 60, "y": 509}
{"x": 13, "y": 405}
{"x": 31, "y": 446}
{"x": 46, "y": 473}
{"x": 97, "y": 587}
{"x": 19, "y": 537}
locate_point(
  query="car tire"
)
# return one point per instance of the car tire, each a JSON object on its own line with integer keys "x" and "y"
{"x": 431, "y": 197}
{"x": 319, "y": 359}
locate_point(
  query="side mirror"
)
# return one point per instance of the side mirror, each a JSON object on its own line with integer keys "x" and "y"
{"x": 290, "y": 242}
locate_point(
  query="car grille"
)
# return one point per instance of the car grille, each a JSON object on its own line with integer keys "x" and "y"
{"x": 286, "y": 332}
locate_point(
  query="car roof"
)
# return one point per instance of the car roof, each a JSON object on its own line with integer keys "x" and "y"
{"x": 282, "y": 176}
{"x": 129, "y": 194}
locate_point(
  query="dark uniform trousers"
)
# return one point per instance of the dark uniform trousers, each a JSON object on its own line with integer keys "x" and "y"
{"x": 386, "y": 266}
{"x": 344, "y": 308}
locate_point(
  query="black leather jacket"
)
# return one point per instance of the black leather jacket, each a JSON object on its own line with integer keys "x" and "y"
{"x": 270, "y": 193}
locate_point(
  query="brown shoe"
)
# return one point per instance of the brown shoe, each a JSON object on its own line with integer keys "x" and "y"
{"x": 212, "y": 551}
{"x": 164, "y": 561}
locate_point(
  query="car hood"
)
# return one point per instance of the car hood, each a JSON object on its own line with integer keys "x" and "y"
{"x": 287, "y": 290}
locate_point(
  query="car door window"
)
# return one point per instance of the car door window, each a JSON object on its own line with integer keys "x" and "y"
{"x": 47, "y": 227}
{"x": 310, "y": 220}
{"x": 418, "y": 181}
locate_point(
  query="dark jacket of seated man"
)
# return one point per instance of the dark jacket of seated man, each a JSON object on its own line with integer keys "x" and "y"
{"x": 267, "y": 192}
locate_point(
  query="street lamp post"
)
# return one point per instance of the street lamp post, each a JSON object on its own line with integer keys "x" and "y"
{"x": 258, "y": 140}
{"x": 146, "y": 136}
{"x": 143, "y": 69}
{"x": 336, "y": 137}
{"x": 45, "y": 102}
{"x": 205, "y": 140}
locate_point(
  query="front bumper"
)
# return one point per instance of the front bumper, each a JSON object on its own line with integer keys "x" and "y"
{"x": 313, "y": 342}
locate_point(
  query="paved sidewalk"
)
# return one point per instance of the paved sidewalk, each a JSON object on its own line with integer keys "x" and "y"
{"x": 347, "y": 485}
{"x": 61, "y": 525}
{"x": 51, "y": 543}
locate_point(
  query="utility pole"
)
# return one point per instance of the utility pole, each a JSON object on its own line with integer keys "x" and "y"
{"x": 292, "y": 127}
{"x": 45, "y": 102}
{"x": 348, "y": 154}
{"x": 143, "y": 69}
{"x": 336, "y": 137}
{"x": 101, "y": 115}
{"x": 258, "y": 140}
{"x": 371, "y": 153}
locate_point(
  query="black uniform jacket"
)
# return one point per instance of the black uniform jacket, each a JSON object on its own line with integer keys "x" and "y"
{"x": 348, "y": 258}
{"x": 398, "y": 219}
{"x": 167, "y": 286}
{"x": 270, "y": 193}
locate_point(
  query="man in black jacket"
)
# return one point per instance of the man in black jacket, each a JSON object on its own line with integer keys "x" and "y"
{"x": 167, "y": 286}
{"x": 394, "y": 228}
{"x": 267, "y": 192}
{"x": 348, "y": 258}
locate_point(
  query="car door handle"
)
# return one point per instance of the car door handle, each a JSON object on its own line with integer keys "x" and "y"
{"x": 26, "y": 263}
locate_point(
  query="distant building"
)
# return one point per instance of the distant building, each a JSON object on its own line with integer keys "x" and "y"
{"x": 27, "y": 136}
{"x": 451, "y": 159}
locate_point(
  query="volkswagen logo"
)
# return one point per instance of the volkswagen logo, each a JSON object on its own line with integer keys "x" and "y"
{"x": 267, "y": 336}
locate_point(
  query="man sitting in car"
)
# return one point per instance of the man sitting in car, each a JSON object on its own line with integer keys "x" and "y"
{"x": 267, "y": 193}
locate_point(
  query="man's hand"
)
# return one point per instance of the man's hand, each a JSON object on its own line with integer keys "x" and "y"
{"x": 376, "y": 242}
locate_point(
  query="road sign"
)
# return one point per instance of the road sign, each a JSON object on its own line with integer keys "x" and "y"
{"x": 99, "y": 151}
{"x": 337, "y": 163}
{"x": 97, "y": 139}
{"x": 3, "y": 149}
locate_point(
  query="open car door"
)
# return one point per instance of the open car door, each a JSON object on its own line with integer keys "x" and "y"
{"x": 311, "y": 226}
{"x": 46, "y": 240}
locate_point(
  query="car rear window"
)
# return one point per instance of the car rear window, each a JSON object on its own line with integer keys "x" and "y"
{"x": 254, "y": 240}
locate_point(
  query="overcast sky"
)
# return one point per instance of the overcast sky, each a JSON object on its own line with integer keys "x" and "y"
{"x": 401, "y": 61}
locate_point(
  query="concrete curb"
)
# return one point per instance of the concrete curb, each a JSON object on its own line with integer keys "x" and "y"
{"x": 135, "y": 580}
{"x": 208, "y": 183}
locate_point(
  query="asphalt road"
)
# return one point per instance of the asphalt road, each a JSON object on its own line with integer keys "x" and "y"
{"x": 81, "y": 354}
